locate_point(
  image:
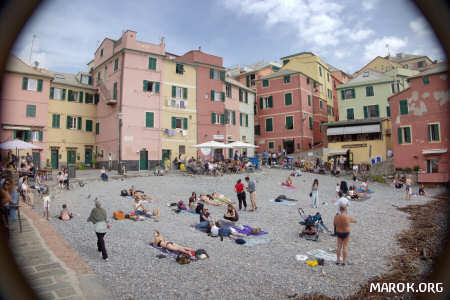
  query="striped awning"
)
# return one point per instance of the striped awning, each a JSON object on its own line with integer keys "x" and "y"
{"x": 354, "y": 129}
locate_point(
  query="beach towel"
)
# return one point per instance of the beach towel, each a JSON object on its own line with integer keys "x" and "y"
{"x": 368, "y": 191}
{"x": 319, "y": 253}
{"x": 247, "y": 230}
{"x": 283, "y": 202}
{"x": 288, "y": 186}
{"x": 189, "y": 212}
{"x": 173, "y": 254}
{"x": 257, "y": 240}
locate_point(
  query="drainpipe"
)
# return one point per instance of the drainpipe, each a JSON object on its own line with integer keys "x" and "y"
{"x": 119, "y": 117}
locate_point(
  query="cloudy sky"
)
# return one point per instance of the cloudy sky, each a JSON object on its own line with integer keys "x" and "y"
{"x": 344, "y": 33}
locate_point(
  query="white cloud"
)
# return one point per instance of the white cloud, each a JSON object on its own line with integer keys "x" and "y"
{"x": 361, "y": 34}
{"x": 369, "y": 4}
{"x": 341, "y": 54}
{"x": 420, "y": 26}
{"x": 379, "y": 46}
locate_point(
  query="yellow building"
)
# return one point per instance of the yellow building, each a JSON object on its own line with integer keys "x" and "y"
{"x": 179, "y": 110}
{"x": 365, "y": 140}
{"x": 71, "y": 125}
{"x": 311, "y": 65}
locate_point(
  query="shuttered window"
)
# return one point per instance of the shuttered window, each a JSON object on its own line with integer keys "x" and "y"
{"x": 56, "y": 121}
{"x": 426, "y": 80}
{"x": 286, "y": 79}
{"x": 152, "y": 63}
{"x": 350, "y": 114}
{"x": 115, "y": 91}
{"x": 404, "y": 135}
{"x": 31, "y": 111}
{"x": 388, "y": 111}
{"x": 265, "y": 83}
{"x": 89, "y": 125}
{"x": 289, "y": 122}
{"x": 179, "y": 69}
{"x": 97, "y": 128}
{"x": 269, "y": 124}
{"x": 309, "y": 100}
{"x": 246, "y": 120}
{"x": 150, "y": 86}
{"x": 149, "y": 119}
{"x": 116, "y": 64}
{"x": 369, "y": 91}
{"x": 433, "y": 133}
{"x": 403, "y": 107}
{"x": 288, "y": 99}
{"x": 310, "y": 123}
{"x": 271, "y": 145}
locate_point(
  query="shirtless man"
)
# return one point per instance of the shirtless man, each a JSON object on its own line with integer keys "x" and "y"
{"x": 342, "y": 224}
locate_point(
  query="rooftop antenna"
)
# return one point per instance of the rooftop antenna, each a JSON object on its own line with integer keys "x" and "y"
{"x": 199, "y": 48}
{"x": 31, "y": 49}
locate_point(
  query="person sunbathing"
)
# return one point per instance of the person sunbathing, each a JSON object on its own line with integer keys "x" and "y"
{"x": 221, "y": 198}
{"x": 209, "y": 199}
{"x": 140, "y": 210}
{"x": 288, "y": 181}
{"x": 231, "y": 214}
{"x": 159, "y": 241}
{"x": 192, "y": 201}
{"x": 364, "y": 186}
{"x": 218, "y": 230}
{"x": 138, "y": 194}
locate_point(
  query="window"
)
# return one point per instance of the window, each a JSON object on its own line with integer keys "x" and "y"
{"x": 265, "y": 83}
{"x": 241, "y": 118}
{"x": 307, "y": 80}
{"x": 152, "y": 63}
{"x": 230, "y": 117}
{"x": 433, "y": 132}
{"x": 328, "y": 77}
{"x": 73, "y": 122}
{"x": 250, "y": 80}
{"x": 265, "y": 102}
{"x": 310, "y": 123}
{"x": 426, "y": 80}
{"x": 246, "y": 120}
{"x": 271, "y": 145}
{"x": 98, "y": 75}
{"x": 369, "y": 91}
{"x": 217, "y": 96}
{"x": 101, "y": 52}
{"x": 57, "y": 93}
{"x": 30, "y": 84}
{"x": 179, "y": 92}
{"x": 405, "y": 66}
{"x": 31, "y": 111}
{"x": 285, "y": 61}
{"x": 246, "y": 97}
{"x": 404, "y": 135}
{"x": 36, "y": 135}
{"x": 350, "y": 114}
{"x": 89, "y": 125}
{"x": 86, "y": 79}
{"x": 181, "y": 149}
{"x": 420, "y": 64}
{"x": 179, "y": 69}
{"x": 241, "y": 95}
{"x": 149, "y": 119}
{"x": 288, "y": 99}
{"x": 96, "y": 98}
{"x": 388, "y": 111}
{"x": 150, "y": 86}
{"x": 269, "y": 124}
{"x": 257, "y": 130}
{"x": 56, "y": 121}
{"x": 330, "y": 94}
{"x": 179, "y": 123}
{"x": 320, "y": 104}
{"x": 115, "y": 91}
{"x": 287, "y": 79}
{"x": 217, "y": 118}
{"x": 320, "y": 71}
{"x": 393, "y": 88}
{"x": 89, "y": 98}
{"x": 403, "y": 107}
{"x": 432, "y": 166}
{"x": 348, "y": 94}
{"x": 75, "y": 96}
{"x": 228, "y": 90}
{"x": 216, "y": 74}
{"x": 371, "y": 111}
{"x": 289, "y": 122}
{"x": 97, "y": 128}
{"x": 116, "y": 64}
{"x": 309, "y": 100}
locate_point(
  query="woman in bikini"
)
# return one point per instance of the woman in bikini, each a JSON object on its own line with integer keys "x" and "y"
{"x": 288, "y": 181}
{"x": 221, "y": 198}
{"x": 209, "y": 199}
{"x": 161, "y": 242}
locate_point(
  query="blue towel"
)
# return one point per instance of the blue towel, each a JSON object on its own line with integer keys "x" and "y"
{"x": 368, "y": 191}
{"x": 190, "y": 212}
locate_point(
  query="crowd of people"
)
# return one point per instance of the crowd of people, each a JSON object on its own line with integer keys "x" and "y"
{"x": 215, "y": 167}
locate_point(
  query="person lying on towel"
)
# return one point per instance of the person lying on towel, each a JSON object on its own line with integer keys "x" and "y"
{"x": 221, "y": 198}
{"x": 159, "y": 241}
{"x": 218, "y": 230}
{"x": 209, "y": 199}
{"x": 288, "y": 181}
{"x": 138, "y": 194}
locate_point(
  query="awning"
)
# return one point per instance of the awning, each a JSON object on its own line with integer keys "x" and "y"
{"x": 337, "y": 152}
{"x": 16, "y": 127}
{"x": 434, "y": 151}
{"x": 353, "y": 129}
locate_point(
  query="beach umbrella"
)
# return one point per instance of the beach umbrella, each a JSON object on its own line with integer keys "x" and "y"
{"x": 213, "y": 145}
{"x": 241, "y": 145}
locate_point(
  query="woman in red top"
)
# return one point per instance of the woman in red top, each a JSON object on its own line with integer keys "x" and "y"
{"x": 239, "y": 188}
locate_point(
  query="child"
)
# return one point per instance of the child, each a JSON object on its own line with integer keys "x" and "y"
{"x": 46, "y": 199}
{"x": 60, "y": 179}
{"x": 422, "y": 190}
{"x": 338, "y": 188}
{"x": 64, "y": 214}
{"x": 103, "y": 175}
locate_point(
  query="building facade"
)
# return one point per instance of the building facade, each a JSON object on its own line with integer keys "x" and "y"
{"x": 420, "y": 125}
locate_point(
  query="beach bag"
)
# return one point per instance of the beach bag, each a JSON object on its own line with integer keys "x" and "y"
{"x": 199, "y": 208}
{"x": 201, "y": 254}
{"x": 119, "y": 215}
{"x": 240, "y": 241}
{"x": 123, "y": 193}
{"x": 183, "y": 259}
{"x": 255, "y": 230}
{"x": 181, "y": 205}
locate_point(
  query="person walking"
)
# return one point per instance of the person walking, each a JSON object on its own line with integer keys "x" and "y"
{"x": 239, "y": 188}
{"x": 315, "y": 193}
{"x": 342, "y": 225}
{"x": 99, "y": 218}
{"x": 251, "y": 188}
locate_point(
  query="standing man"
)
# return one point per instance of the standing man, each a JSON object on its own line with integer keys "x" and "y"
{"x": 251, "y": 188}
{"x": 342, "y": 225}
{"x": 342, "y": 201}
{"x": 109, "y": 162}
{"x": 29, "y": 158}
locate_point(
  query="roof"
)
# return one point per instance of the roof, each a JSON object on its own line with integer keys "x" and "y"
{"x": 283, "y": 72}
{"x": 69, "y": 79}
{"x": 299, "y": 53}
{"x": 441, "y": 68}
{"x": 373, "y": 78}
{"x": 237, "y": 83}
{"x": 237, "y": 71}
{"x": 402, "y": 57}
{"x": 354, "y": 122}
{"x": 16, "y": 65}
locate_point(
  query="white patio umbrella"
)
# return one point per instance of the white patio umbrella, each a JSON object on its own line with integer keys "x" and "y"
{"x": 17, "y": 145}
{"x": 241, "y": 145}
{"x": 213, "y": 145}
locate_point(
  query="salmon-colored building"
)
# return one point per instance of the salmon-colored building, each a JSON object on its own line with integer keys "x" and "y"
{"x": 420, "y": 125}
{"x": 338, "y": 77}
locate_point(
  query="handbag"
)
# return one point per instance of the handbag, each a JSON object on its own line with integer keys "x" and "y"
{"x": 310, "y": 194}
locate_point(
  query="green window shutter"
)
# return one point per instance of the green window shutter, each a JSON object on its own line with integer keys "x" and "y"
{"x": 407, "y": 134}
{"x": 79, "y": 123}
{"x": 265, "y": 83}
{"x": 240, "y": 119}
{"x": 116, "y": 64}
{"x": 287, "y": 99}
{"x": 222, "y": 75}
{"x": 58, "y": 123}
{"x": 309, "y": 100}
{"x": 212, "y": 95}
{"x": 350, "y": 115}
{"x": 222, "y": 119}
{"x": 353, "y": 93}
{"x": 213, "y": 118}
{"x": 269, "y": 125}
{"x": 430, "y": 132}
{"x": 152, "y": 63}
{"x": 63, "y": 96}
{"x": 149, "y": 119}
{"x": 115, "y": 90}
{"x": 14, "y": 134}
{"x": 89, "y": 125}
{"x": 403, "y": 107}
{"x": 436, "y": 132}
{"x": 289, "y": 122}
{"x": 246, "y": 120}
{"x": 185, "y": 123}
{"x": 27, "y": 136}
{"x": 211, "y": 73}
{"x": 399, "y": 135}
{"x": 185, "y": 91}
{"x": 145, "y": 85}
{"x": 70, "y": 96}
{"x": 31, "y": 111}
{"x": 174, "y": 122}
{"x": 310, "y": 123}
{"x": 53, "y": 121}
{"x": 80, "y": 96}
{"x": 69, "y": 122}
{"x": 270, "y": 101}
{"x": 342, "y": 95}
{"x": 174, "y": 91}
{"x": 24, "y": 83}
{"x": 97, "y": 128}
{"x": 261, "y": 103}
{"x": 233, "y": 117}
{"x": 366, "y": 113}
{"x": 96, "y": 98}
{"x": 39, "y": 87}
{"x": 247, "y": 79}
{"x": 377, "y": 110}
{"x": 90, "y": 80}
{"x": 388, "y": 111}
{"x": 246, "y": 97}
{"x": 223, "y": 96}
{"x": 41, "y": 135}
{"x": 157, "y": 87}
{"x": 52, "y": 92}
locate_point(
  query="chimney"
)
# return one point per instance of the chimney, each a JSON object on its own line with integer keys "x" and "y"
{"x": 163, "y": 44}
{"x": 200, "y": 48}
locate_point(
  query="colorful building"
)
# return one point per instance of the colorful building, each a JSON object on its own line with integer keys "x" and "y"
{"x": 179, "y": 109}
{"x": 128, "y": 75}
{"x": 72, "y": 113}
{"x": 24, "y": 112}
{"x": 420, "y": 125}
{"x": 365, "y": 96}
{"x": 364, "y": 141}
{"x": 338, "y": 77}
{"x": 248, "y": 75}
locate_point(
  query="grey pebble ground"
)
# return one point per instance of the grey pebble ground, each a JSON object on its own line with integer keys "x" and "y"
{"x": 265, "y": 271}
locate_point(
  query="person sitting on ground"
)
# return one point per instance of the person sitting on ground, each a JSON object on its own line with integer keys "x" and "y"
{"x": 192, "y": 201}
{"x": 296, "y": 172}
{"x": 159, "y": 241}
{"x": 65, "y": 215}
{"x": 221, "y": 198}
{"x": 352, "y": 192}
{"x": 103, "y": 175}
{"x": 364, "y": 186}
{"x": 249, "y": 166}
{"x": 209, "y": 199}
{"x": 422, "y": 190}
{"x": 205, "y": 219}
{"x": 140, "y": 210}
{"x": 288, "y": 181}
{"x": 231, "y": 214}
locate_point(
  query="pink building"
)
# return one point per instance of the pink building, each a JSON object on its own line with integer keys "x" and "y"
{"x": 338, "y": 77}
{"x": 420, "y": 125}
{"x": 24, "y": 99}
{"x": 128, "y": 74}
{"x": 285, "y": 112}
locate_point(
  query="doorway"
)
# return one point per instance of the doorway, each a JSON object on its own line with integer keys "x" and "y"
{"x": 54, "y": 158}
{"x": 143, "y": 160}
{"x": 88, "y": 157}
{"x": 71, "y": 157}
{"x": 37, "y": 159}
{"x": 288, "y": 145}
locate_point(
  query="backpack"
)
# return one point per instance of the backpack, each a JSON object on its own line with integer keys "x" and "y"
{"x": 181, "y": 205}
{"x": 183, "y": 259}
{"x": 201, "y": 254}
{"x": 123, "y": 193}
{"x": 119, "y": 215}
